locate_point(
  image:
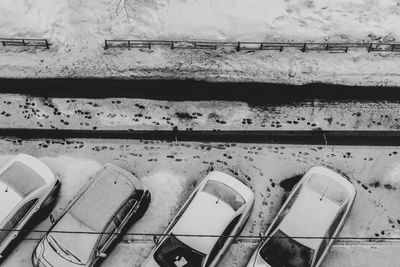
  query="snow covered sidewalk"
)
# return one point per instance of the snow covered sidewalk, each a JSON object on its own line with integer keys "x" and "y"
{"x": 290, "y": 66}
{"x": 77, "y": 30}
{"x": 18, "y": 111}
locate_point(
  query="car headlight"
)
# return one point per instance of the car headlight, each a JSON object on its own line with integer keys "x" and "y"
{"x": 35, "y": 256}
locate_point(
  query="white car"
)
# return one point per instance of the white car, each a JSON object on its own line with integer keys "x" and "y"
{"x": 27, "y": 185}
{"x": 316, "y": 207}
{"x": 216, "y": 211}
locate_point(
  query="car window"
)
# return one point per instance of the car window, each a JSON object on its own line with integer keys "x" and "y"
{"x": 20, "y": 214}
{"x": 225, "y": 193}
{"x": 221, "y": 241}
{"x": 123, "y": 212}
{"x": 286, "y": 210}
{"x": 282, "y": 250}
{"x": 173, "y": 252}
{"x": 328, "y": 187}
{"x": 107, "y": 234}
{"x": 5, "y": 231}
{"x": 17, "y": 218}
{"x": 330, "y": 233}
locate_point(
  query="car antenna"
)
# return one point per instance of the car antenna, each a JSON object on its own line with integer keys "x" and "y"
{"x": 323, "y": 193}
{"x": 6, "y": 189}
{"x": 218, "y": 199}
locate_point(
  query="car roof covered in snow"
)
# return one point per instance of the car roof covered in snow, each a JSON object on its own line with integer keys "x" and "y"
{"x": 310, "y": 216}
{"x": 206, "y": 215}
{"x": 101, "y": 200}
{"x": 22, "y": 179}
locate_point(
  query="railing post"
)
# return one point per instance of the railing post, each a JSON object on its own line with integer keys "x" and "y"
{"x": 105, "y": 45}
{"x": 370, "y": 47}
{"x": 47, "y": 44}
{"x": 238, "y": 47}
{"x": 172, "y": 44}
{"x": 303, "y": 49}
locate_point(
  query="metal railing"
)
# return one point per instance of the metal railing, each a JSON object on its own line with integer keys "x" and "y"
{"x": 24, "y": 42}
{"x": 303, "y": 46}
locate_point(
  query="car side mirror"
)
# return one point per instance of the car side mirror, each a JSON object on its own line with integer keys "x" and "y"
{"x": 156, "y": 240}
{"x": 101, "y": 254}
{"x": 52, "y": 220}
{"x": 261, "y": 235}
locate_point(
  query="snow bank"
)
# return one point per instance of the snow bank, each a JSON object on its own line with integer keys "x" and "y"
{"x": 165, "y": 188}
{"x": 4, "y": 159}
{"x": 74, "y": 173}
{"x": 85, "y": 23}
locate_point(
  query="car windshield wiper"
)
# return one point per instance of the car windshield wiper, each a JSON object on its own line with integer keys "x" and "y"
{"x": 69, "y": 253}
{"x": 66, "y": 251}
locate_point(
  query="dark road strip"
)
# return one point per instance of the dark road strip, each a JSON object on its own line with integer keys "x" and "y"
{"x": 192, "y": 90}
{"x": 356, "y": 138}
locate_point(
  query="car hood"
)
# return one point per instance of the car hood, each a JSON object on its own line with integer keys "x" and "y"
{"x": 50, "y": 256}
{"x": 9, "y": 199}
{"x": 206, "y": 215}
{"x": 311, "y": 215}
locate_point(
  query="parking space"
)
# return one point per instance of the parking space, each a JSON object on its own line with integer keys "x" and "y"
{"x": 172, "y": 170}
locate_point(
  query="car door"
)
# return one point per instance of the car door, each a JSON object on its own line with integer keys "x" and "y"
{"x": 122, "y": 215}
{"x": 216, "y": 251}
{"x": 326, "y": 242}
{"x": 19, "y": 216}
{"x": 113, "y": 229}
{"x": 107, "y": 237}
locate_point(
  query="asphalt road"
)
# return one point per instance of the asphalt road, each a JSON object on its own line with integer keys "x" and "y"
{"x": 181, "y": 90}
{"x": 305, "y": 137}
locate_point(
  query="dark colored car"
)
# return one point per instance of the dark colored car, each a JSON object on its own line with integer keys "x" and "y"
{"x": 90, "y": 225}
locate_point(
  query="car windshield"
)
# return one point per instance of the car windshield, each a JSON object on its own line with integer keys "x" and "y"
{"x": 224, "y": 193}
{"x": 282, "y": 251}
{"x": 328, "y": 187}
{"x": 75, "y": 247}
{"x": 174, "y": 253}
{"x": 21, "y": 179}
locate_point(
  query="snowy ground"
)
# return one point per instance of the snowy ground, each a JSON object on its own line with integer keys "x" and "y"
{"x": 18, "y": 111}
{"x": 77, "y": 29}
{"x": 171, "y": 171}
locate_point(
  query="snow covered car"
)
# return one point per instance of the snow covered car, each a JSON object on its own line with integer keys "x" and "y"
{"x": 27, "y": 187}
{"x": 316, "y": 207}
{"x": 217, "y": 210}
{"x": 97, "y": 215}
